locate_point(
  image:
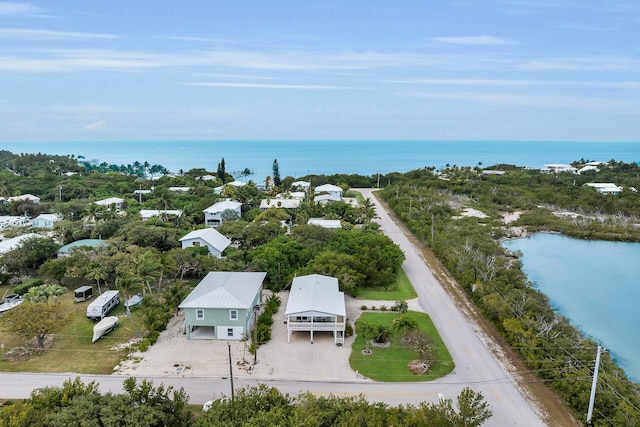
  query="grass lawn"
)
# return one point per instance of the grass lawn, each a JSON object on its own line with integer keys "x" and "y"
{"x": 72, "y": 349}
{"x": 400, "y": 290}
{"x": 390, "y": 364}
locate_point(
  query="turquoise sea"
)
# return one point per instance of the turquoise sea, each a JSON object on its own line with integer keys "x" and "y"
{"x": 298, "y": 158}
{"x": 594, "y": 284}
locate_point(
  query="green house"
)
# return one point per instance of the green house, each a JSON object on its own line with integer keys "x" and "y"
{"x": 223, "y": 306}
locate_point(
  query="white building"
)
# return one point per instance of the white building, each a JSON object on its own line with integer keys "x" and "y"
{"x": 325, "y": 223}
{"x": 558, "y": 168}
{"x": 111, "y": 203}
{"x": 605, "y": 187}
{"x": 213, "y": 214}
{"x": 316, "y": 304}
{"x": 279, "y": 203}
{"x": 46, "y": 220}
{"x": 209, "y": 237}
{"x": 146, "y": 214}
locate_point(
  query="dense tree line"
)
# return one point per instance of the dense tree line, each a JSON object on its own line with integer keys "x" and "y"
{"x": 145, "y": 405}
{"x": 430, "y": 205}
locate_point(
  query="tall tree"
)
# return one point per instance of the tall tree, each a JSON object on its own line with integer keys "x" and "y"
{"x": 36, "y": 319}
{"x": 221, "y": 173}
{"x": 276, "y": 173}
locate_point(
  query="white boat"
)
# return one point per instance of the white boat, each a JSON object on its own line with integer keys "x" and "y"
{"x": 134, "y": 300}
{"x": 9, "y": 302}
{"x": 104, "y": 326}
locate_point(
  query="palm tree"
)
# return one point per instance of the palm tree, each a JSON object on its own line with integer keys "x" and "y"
{"x": 401, "y": 306}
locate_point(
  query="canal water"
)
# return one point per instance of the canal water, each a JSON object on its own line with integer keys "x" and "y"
{"x": 595, "y": 284}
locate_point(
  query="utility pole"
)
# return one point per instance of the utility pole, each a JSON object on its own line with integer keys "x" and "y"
{"x": 231, "y": 372}
{"x": 593, "y": 385}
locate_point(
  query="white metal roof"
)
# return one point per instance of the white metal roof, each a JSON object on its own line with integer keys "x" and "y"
{"x": 325, "y": 223}
{"x": 211, "y": 236}
{"x": 280, "y": 203}
{"x": 315, "y": 293}
{"x": 223, "y": 206}
{"x": 223, "y": 289}
{"x": 330, "y": 188}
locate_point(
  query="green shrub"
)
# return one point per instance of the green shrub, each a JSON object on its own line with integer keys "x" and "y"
{"x": 144, "y": 345}
{"x": 348, "y": 330}
{"x": 24, "y": 288}
{"x": 363, "y": 307}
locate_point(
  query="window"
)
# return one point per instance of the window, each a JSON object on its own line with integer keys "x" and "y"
{"x": 196, "y": 243}
{"x": 233, "y": 314}
{"x": 199, "y": 314}
{"x": 230, "y": 332}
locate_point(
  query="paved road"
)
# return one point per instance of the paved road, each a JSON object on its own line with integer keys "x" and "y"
{"x": 476, "y": 366}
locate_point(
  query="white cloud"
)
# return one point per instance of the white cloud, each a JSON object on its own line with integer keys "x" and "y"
{"x": 95, "y": 125}
{"x": 473, "y": 40}
{"x": 18, "y": 9}
{"x": 44, "y": 35}
{"x": 261, "y": 85}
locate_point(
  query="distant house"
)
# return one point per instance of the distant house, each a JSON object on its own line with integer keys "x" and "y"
{"x": 24, "y": 198}
{"x": 605, "y": 187}
{"x": 300, "y": 195}
{"x": 316, "y": 304}
{"x": 179, "y": 190}
{"x": 323, "y": 199}
{"x": 206, "y": 178}
{"x": 111, "y": 203}
{"x": 213, "y": 214}
{"x": 558, "y": 168}
{"x": 223, "y": 306}
{"x": 8, "y": 245}
{"x": 142, "y": 192}
{"x": 46, "y": 220}
{"x": 334, "y": 190}
{"x": 303, "y": 185}
{"x": 209, "y": 237}
{"x": 147, "y": 214}
{"x": 488, "y": 172}
{"x": 220, "y": 189}
{"x": 279, "y": 203}
{"x": 325, "y": 223}
{"x": 588, "y": 168}
{"x": 66, "y": 250}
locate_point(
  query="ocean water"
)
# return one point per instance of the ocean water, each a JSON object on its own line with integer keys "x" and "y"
{"x": 298, "y": 158}
{"x": 595, "y": 284}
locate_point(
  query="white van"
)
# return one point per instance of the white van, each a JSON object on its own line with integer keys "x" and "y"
{"x": 102, "y": 305}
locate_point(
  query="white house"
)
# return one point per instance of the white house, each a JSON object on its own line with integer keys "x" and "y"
{"x": 25, "y": 198}
{"x": 323, "y": 199}
{"x": 209, "y": 237}
{"x": 206, "y": 178}
{"x": 605, "y": 187}
{"x": 279, "y": 203}
{"x": 15, "y": 242}
{"x": 558, "y": 168}
{"x": 179, "y": 190}
{"x": 224, "y": 305}
{"x": 146, "y": 214}
{"x": 300, "y": 195}
{"x": 316, "y": 304}
{"x": 111, "y": 203}
{"x": 331, "y": 189}
{"x": 325, "y": 223}
{"x": 303, "y": 185}
{"x": 213, "y": 214}
{"x": 46, "y": 220}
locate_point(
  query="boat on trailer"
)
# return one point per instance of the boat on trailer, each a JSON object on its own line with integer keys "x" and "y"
{"x": 133, "y": 301}
{"x": 104, "y": 326}
{"x": 9, "y": 302}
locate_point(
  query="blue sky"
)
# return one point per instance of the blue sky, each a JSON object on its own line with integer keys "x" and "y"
{"x": 233, "y": 70}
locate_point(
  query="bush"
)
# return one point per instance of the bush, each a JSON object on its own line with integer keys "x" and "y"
{"x": 24, "y": 288}
{"x": 363, "y": 307}
{"x": 348, "y": 330}
{"x": 383, "y": 308}
{"x": 144, "y": 345}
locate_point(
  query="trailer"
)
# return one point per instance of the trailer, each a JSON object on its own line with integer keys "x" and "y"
{"x": 103, "y": 305}
{"x": 83, "y": 293}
